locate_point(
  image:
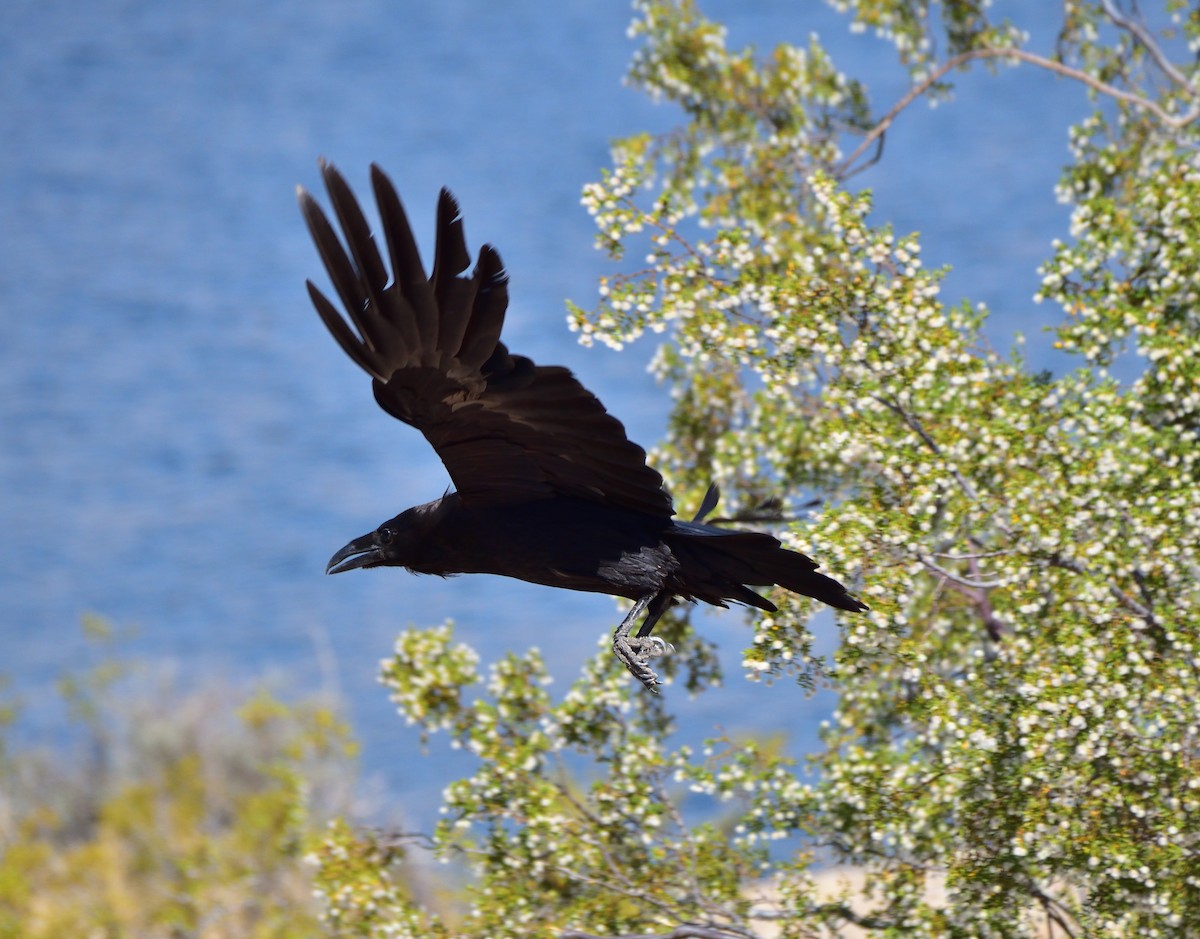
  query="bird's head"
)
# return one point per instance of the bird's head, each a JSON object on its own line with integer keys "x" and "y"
{"x": 392, "y": 544}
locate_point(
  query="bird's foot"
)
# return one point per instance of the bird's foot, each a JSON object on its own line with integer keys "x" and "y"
{"x": 636, "y": 653}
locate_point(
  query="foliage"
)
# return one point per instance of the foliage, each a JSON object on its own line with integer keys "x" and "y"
{"x": 1017, "y": 747}
{"x": 185, "y": 814}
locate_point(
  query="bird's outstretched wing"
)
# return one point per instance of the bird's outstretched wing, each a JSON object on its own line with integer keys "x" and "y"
{"x": 506, "y": 429}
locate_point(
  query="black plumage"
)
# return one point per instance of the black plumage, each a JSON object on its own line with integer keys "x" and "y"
{"x": 547, "y": 487}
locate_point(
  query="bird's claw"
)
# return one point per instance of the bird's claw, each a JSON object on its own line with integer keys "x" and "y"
{"x": 636, "y": 652}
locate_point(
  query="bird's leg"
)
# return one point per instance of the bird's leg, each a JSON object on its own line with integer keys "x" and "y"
{"x": 637, "y": 651}
{"x": 659, "y": 604}
{"x": 624, "y": 651}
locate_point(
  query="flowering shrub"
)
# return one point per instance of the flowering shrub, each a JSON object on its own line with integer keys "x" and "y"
{"x": 1016, "y": 751}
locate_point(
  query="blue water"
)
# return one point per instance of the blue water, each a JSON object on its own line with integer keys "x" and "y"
{"x": 182, "y": 446}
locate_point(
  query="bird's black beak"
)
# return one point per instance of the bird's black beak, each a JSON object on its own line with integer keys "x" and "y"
{"x": 361, "y": 552}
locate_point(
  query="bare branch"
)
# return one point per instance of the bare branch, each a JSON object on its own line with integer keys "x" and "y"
{"x": 976, "y": 592}
{"x": 1021, "y": 55}
{"x": 1143, "y": 36}
{"x": 394, "y": 840}
{"x": 1056, "y": 913}
{"x": 993, "y": 624}
{"x": 950, "y": 556}
{"x": 845, "y": 171}
{"x": 929, "y": 562}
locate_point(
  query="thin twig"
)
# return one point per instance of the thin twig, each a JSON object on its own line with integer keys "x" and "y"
{"x": 1137, "y": 609}
{"x": 595, "y": 824}
{"x": 914, "y": 424}
{"x": 973, "y": 588}
{"x": 679, "y": 932}
{"x": 623, "y": 884}
{"x": 667, "y": 909}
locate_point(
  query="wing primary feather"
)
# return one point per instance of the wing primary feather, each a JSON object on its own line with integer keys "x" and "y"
{"x": 482, "y": 332}
{"x": 451, "y": 256}
{"x": 342, "y": 273}
{"x": 350, "y": 343}
{"x": 355, "y": 227}
{"x": 421, "y": 328}
{"x": 372, "y": 274}
{"x": 455, "y": 293}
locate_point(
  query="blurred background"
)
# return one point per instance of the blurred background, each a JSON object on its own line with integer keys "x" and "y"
{"x": 182, "y": 446}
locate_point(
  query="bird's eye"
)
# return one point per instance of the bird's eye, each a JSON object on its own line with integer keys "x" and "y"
{"x": 385, "y": 536}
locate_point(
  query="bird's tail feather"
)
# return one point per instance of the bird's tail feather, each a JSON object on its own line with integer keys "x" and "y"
{"x": 717, "y": 564}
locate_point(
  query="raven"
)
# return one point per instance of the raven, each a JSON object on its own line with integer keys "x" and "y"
{"x": 547, "y": 487}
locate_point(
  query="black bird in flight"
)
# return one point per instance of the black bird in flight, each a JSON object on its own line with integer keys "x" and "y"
{"x": 547, "y": 487}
